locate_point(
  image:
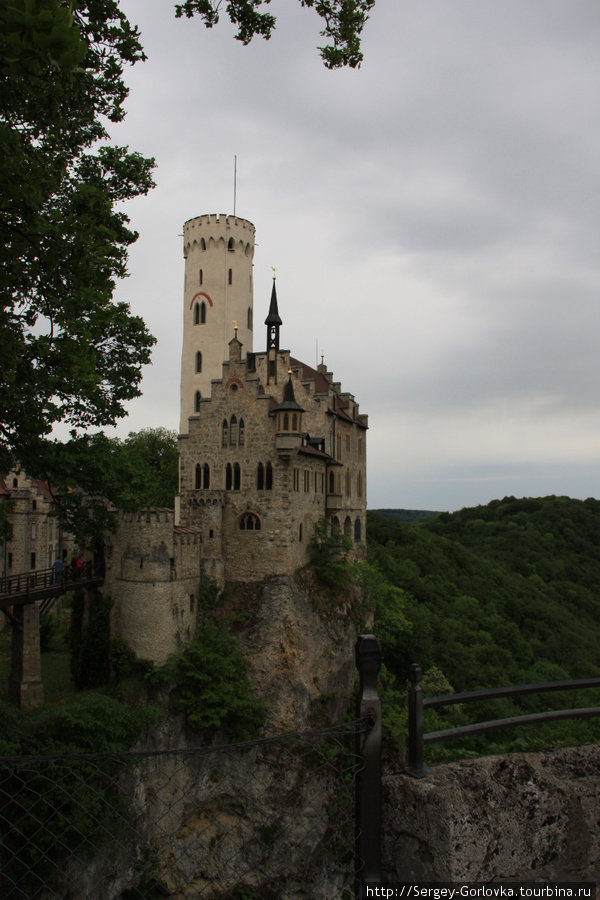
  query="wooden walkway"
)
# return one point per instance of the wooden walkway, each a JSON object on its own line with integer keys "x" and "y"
{"x": 46, "y": 585}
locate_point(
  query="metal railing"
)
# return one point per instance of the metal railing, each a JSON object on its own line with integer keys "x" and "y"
{"x": 39, "y": 582}
{"x": 417, "y": 703}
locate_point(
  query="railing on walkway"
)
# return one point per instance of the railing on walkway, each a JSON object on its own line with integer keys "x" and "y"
{"x": 29, "y": 586}
{"x": 417, "y": 703}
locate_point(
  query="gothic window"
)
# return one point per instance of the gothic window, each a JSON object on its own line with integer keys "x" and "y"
{"x": 197, "y": 399}
{"x": 331, "y": 483}
{"x": 249, "y": 522}
{"x": 260, "y": 477}
{"x": 357, "y": 529}
{"x": 286, "y": 422}
{"x": 242, "y": 433}
{"x": 338, "y": 445}
{"x": 228, "y": 477}
{"x": 32, "y": 561}
{"x": 269, "y": 479}
{"x": 347, "y": 526}
{"x": 198, "y": 361}
{"x": 206, "y": 476}
{"x": 249, "y": 318}
{"x": 233, "y": 432}
{"x": 294, "y": 422}
{"x": 202, "y": 244}
{"x": 198, "y": 481}
{"x": 224, "y": 433}
{"x": 15, "y": 483}
{"x": 237, "y": 476}
{"x": 200, "y": 313}
{"x": 230, "y": 244}
{"x": 347, "y": 442}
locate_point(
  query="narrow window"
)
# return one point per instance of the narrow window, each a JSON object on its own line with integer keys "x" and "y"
{"x": 198, "y": 362}
{"x": 34, "y": 504}
{"x": 202, "y": 244}
{"x": 357, "y": 529}
{"x": 249, "y": 318}
{"x": 197, "y": 314}
{"x": 32, "y": 561}
{"x": 197, "y": 400}
{"x": 10, "y": 560}
{"x": 203, "y": 313}
{"x": 296, "y": 479}
{"x": 237, "y": 476}
{"x": 230, "y": 276}
{"x": 348, "y": 484}
{"x": 242, "y": 433}
{"x": 230, "y": 244}
{"x": 15, "y": 483}
{"x": 338, "y": 454}
{"x": 33, "y": 532}
{"x": 260, "y": 477}
{"x": 233, "y": 432}
{"x": 200, "y": 276}
{"x": 286, "y": 422}
{"x": 228, "y": 477}
{"x": 348, "y": 442}
{"x": 206, "y": 476}
{"x": 269, "y": 484}
{"x": 331, "y": 483}
{"x": 294, "y": 422}
{"x": 224, "y": 433}
{"x": 359, "y": 484}
{"x": 300, "y": 530}
{"x": 198, "y": 480}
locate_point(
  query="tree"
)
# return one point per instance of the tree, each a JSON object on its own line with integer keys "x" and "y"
{"x": 344, "y": 21}
{"x": 68, "y": 353}
{"x": 149, "y": 468}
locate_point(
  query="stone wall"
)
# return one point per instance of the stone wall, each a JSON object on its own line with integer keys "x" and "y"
{"x": 521, "y": 817}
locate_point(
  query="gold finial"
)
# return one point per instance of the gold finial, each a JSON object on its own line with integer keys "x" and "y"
{"x": 290, "y": 371}
{"x": 322, "y": 357}
{"x": 235, "y": 327}
{"x": 274, "y": 271}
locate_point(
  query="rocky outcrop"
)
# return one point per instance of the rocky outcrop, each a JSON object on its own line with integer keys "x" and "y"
{"x": 520, "y": 817}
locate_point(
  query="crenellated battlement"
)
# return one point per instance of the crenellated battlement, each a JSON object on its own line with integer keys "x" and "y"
{"x": 218, "y": 227}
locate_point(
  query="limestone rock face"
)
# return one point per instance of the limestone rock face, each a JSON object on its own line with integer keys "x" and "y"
{"x": 521, "y": 817}
{"x": 301, "y": 663}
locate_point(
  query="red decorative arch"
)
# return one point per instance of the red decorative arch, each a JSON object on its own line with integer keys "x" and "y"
{"x": 201, "y": 294}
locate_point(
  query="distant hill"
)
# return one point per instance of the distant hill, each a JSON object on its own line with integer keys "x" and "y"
{"x": 406, "y": 515}
{"x": 501, "y": 594}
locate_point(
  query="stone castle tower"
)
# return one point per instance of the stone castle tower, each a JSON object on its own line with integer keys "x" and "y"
{"x": 218, "y": 252}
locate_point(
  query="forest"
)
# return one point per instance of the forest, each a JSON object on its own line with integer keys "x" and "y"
{"x": 507, "y": 593}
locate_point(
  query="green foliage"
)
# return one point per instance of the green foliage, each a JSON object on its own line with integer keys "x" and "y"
{"x": 10, "y": 730}
{"x": 89, "y": 638}
{"x": 497, "y": 595}
{"x": 343, "y": 22}
{"x": 212, "y": 684}
{"x": 328, "y": 550}
{"x": 127, "y": 665}
{"x": 147, "y": 462}
{"x": 407, "y": 515}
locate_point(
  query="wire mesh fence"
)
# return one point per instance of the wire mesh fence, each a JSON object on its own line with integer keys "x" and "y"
{"x": 267, "y": 819}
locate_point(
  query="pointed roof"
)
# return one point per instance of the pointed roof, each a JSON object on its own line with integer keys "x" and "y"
{"x": 289, "y": 399}
{"x": 273, "y": 318}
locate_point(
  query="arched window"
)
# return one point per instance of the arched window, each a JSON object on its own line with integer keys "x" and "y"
{"x": 241, "y": 433}
{"x": 206, "y": 476}
{"x": 198, "y": 481}
{"x": 357, "y": 529}
{"x": 200, "y": 313}
{"x": 260, "y": 477}
{"x": 230, "y": 276}
{"x": 197, "y": 399}
{"x": 249, "y": 318}
{"x": 224, "y": 433}
{"x": 228, "y": 477}
{"x": 202, "y": 244}
{"x": 286, "y": 422}
{"x": 230, "y": 244}
{"x": 34, "y": 504}
{"x": 237, "y": 476}
{"x": 249, "y": 522}
{"x": 15, "y": 483}
{"x": 347, "y": 526}
{"x": 269, "y": 479}
{"x": 295, "y": 422}
{"x": 233, "y": 431}
{"x": 198, "y": 361}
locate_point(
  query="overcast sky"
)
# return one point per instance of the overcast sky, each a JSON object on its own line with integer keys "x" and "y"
{"x": 433, "y": 218}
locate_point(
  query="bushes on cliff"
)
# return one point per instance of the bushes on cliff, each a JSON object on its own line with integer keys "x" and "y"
{"x": 212, "y": 684}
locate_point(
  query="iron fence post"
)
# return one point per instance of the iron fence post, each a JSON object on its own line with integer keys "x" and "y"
{"x": 417, "y": 766}
{"x": 368, "y": 781}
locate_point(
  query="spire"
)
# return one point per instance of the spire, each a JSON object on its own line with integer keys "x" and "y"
{"x": 273, "y": 322}
{"x": 289, "y": 398}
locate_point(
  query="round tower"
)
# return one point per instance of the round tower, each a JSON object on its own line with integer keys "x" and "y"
{"x": 217, "y": 296}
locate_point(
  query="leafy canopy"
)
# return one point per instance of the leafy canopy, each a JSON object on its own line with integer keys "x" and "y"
{"x": 343, "y": 21}
{"x": 68, "y": 352}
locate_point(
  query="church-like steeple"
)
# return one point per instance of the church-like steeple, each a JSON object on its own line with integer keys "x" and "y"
{"x": 273, "y": 322}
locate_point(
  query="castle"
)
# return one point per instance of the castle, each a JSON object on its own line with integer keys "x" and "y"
{"x": 268, "y": 447}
